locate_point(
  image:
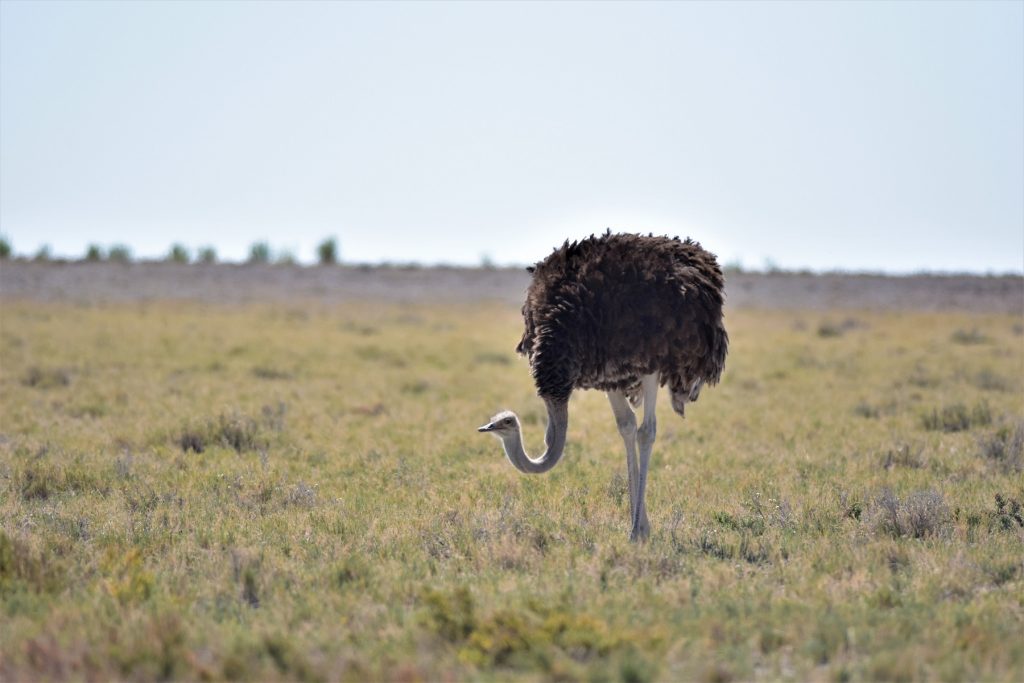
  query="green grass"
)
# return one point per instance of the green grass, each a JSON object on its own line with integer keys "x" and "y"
{"x": 299, "y": 492}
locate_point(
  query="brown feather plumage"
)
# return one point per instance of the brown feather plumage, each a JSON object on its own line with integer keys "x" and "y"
{"x": 604, "y": 311}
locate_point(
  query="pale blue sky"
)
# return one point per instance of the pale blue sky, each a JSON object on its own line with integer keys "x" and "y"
{"x": 865, "y": 135}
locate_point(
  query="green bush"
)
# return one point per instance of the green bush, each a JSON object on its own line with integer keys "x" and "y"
{"x": 5, "y": 248}
{"x": 179, "y": 254}
{"x": 119, "y": 253}
{"x": 327, "y": 252}
{"x": 259, "y": 252}
{"x": 206, "y": 254}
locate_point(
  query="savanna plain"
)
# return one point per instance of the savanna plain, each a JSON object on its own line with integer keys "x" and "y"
{"x": 262, "y": 490}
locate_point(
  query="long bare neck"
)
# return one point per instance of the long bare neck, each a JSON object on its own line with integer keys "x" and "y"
{"x": 554, "y": 440}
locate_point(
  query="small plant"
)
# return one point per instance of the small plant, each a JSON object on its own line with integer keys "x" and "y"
{"x": 233, "y": 430}
{"x": 5, "y": 248}
{"x": 93, "y": 253}
{"x": 46, "y": 378}
{"x": 207, "y": 255}
{"x": 829, "y": 329}
{"x": 957, "y": 418}
{"x": 270, "y": 372}
{"x": 451, "y": 615}
{"x": 179, "y": 254}
{"x": 259, "y": 252}
{"x": 1005, "y": 448}
{"x": 286, "y": 258}
{"x": 866, "y": 410}
{"x": 41, "y": 479}
{"x": 20, "y": 563}
{"x": 505, "y": 639}
{"x": 902, "y": 456}
{"x": 991, "y": 381}
{"x": 301, "y": 495}
{"x": 971, "y": 336}
{"x": 1009, "y": 513}
{"x": 119, "y": 253}
{"x": 327, "y": 252}
{"x": 920, "y": 515}
{"x": 246, "y": 569}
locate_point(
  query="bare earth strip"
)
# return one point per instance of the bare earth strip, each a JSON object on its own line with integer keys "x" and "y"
{"x": 228, "y": 284}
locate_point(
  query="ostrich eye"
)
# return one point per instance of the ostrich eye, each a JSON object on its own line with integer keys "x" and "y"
{"x": 508, "y": 421}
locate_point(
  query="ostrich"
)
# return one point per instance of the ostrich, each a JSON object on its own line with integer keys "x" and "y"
{"x": 624, "y": 314}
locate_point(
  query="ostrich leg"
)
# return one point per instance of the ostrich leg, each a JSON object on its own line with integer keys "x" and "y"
{"x": 625, "y": 420}
{"x": 645, "y": 441}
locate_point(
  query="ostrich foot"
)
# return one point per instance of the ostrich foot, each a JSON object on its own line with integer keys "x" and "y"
{"x": 641, "y": 531}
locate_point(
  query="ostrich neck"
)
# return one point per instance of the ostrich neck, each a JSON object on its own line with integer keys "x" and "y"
{"x": 554, "y": 439}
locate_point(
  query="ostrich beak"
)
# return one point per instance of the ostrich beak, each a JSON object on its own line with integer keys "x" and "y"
{"x": 489, "y": 427}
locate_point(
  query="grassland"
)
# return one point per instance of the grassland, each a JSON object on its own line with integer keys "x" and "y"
{"x": 196, "y": 491}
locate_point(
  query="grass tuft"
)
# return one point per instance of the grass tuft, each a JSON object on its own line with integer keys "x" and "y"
{"x": 24, "y": 567}
{"x": 41, "y": 480}
{"x": 46, "y": 378}
{"x": 234, "y": 430}
{"x": 828, "y": 328}
{"x": 1004, "y": 448}
{"x": 987, "y": 380}
{"x": 452, "y": 615}
{"x": 969, "y": 336}
{"x": 922, "y": 514}
{"x": 957, "y": 418}
{"x": 270, "y": 372}
{"x": 903, "y": 455}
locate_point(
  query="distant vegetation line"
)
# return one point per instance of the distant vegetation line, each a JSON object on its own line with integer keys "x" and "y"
{"x": 259, "y": 252}
{"x": 327, "y": 253}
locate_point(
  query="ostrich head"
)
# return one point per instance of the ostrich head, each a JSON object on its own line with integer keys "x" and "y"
{"x": 504, "y": 425}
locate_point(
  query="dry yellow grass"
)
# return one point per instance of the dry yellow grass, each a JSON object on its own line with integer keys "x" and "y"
{"x": 266, "y": 492}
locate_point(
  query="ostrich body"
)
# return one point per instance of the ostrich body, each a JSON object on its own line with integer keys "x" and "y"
{"x": 625, "y": 314}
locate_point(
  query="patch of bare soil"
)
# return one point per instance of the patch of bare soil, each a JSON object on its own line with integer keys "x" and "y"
{"x": 234, "y": 284}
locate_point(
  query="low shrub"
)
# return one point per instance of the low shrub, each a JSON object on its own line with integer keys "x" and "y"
{"x": 233, "y": 430}
{"x": 22, "y": 565}
{"x": 957, "y": 418}
{"x": 1008, "y": 514}
{"x": 922, "y": 514}
{"x": 1004, "y": 448}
